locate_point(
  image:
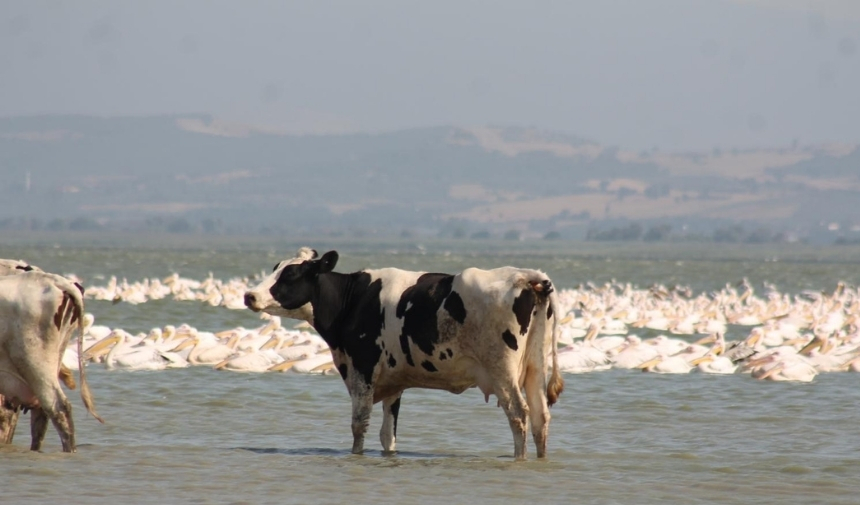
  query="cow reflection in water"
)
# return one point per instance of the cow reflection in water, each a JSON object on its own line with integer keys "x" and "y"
{"x": 390, "y": 330}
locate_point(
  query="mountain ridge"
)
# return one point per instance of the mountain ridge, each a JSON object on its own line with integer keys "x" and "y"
{"x": 127, "y": 172}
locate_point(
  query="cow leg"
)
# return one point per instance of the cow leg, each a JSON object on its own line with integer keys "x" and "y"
{"x": 362, "y": 404}
{"x": 41, "y": 375}
{"x": 511, "y": 400}
{"x": 58, "y": 409}
{"x": 38, "y": 428}
{"x": 388, "y": 432}
{"x": 8, "y": 421}
{"x": 538, "y": 410}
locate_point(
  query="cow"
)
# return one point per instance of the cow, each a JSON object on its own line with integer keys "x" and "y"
{"x": 9, "y": 416}
{"x": 390, "y": 330}
{"x": 38, "y": 313}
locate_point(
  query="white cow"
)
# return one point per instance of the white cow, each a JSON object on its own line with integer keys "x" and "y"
{"x": 9, "y": 416}
{"x": 390, "y": 330}
{"x": 38, "y": 313}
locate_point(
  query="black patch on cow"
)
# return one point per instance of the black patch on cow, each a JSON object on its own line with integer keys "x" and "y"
{"x": 523, "y": 306}
{"x": 404, "y": 346}
{"x": 442, "y": 356}
{"x": 26, "y": 268}
{"x": 430, "y": 367}
{"x": 510, "y": 340}
{"x": 342, "y": 368}
{"x": 549, "y": 312}
{"x": 450, "y": 352}
{"x": 391, "y": 361}
{"x": 58, "y": 315}
{"x": 417, "y": 307}
{"x": 395, "y": 411}
{"x": 454, "y": 306}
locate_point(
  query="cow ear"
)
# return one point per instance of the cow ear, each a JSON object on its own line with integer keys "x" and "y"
{"x": 328, "y": 261}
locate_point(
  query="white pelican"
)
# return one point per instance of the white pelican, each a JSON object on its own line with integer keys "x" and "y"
{"x": 252, "y": 361}
{"x": 713, "y": 364}
{"x": 126, "y": 353}
{"x": 96, "y": 332}
{"x": 317, "y": 363}
{"x": 782, "y": 364}
{"x": 206, "y": 351}
{"x": 321, "y": 363}
{"x": 667, "y": 346}
{"x": 582, "y": 357}
{"x": 634, "y": 353}
{"x": 680, "y": 363}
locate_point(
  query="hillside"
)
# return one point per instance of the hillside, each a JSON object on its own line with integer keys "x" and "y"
{"x": 187, "y": 173}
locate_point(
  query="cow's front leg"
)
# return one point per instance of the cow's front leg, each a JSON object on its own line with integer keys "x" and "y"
{"x": 388, "y": 432}
{"x": 362, "y": 404}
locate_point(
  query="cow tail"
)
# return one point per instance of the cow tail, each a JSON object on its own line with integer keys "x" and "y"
{"x": 555, "y": 386}
{"x": 86, "y": 395}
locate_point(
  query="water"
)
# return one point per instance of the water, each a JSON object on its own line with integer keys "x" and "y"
{"x": 200, "y": 436}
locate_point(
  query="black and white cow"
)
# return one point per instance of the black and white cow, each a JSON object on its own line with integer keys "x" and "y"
{"x": 390, "y": 330}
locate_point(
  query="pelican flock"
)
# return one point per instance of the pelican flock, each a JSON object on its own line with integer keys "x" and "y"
{"x": 781, "y": 337}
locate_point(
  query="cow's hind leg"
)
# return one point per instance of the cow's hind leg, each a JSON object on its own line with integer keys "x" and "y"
{"x": 538, "y": 409}
{"x": 42, "y": 377}
{"x": 38, "y": 428}
{"x": 58, "y": 409}
{"x": 388, "y": 432}
{"x": 8, "y": 421}
{"x": 511, "y": 400}
{"x": 362, "y": 404}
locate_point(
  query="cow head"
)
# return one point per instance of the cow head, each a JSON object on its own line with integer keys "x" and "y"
{"x": 288, "y": 289}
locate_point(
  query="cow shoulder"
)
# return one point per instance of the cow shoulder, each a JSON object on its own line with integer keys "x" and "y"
{"x": 359, "y": 335}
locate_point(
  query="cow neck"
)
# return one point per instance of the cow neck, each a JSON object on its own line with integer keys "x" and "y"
{"x": 331, "y": 302}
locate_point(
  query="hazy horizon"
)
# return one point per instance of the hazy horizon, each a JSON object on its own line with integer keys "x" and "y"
{"x": 671, "y": 74}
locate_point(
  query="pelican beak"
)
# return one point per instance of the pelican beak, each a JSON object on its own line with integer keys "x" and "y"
{"x": 283, "y": 367}
{"x": 568, "y": 318}
{"x": 753, "y": 339}
{"x": 323, "y": 368}
{"x": 651, "y": 362}
{"x": 270, "y": 344}
{"x": 759, "y": 362}
{"x": 706, "y": 340}
{"x": 704, "y": 359}
{"x": 813, "y": 344}
{"x": 188, "y": 342}
{"x": 234, "y": 340}
{"x": 101, "y": 347}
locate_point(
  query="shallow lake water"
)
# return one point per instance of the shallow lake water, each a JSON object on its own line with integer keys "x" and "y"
{"x": 203, "y": 436}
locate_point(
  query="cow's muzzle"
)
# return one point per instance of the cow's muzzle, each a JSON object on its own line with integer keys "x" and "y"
{"x": 251, "y": 301}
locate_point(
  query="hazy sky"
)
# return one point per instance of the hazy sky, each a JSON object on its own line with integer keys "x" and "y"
{"x": 676, "y": 74}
